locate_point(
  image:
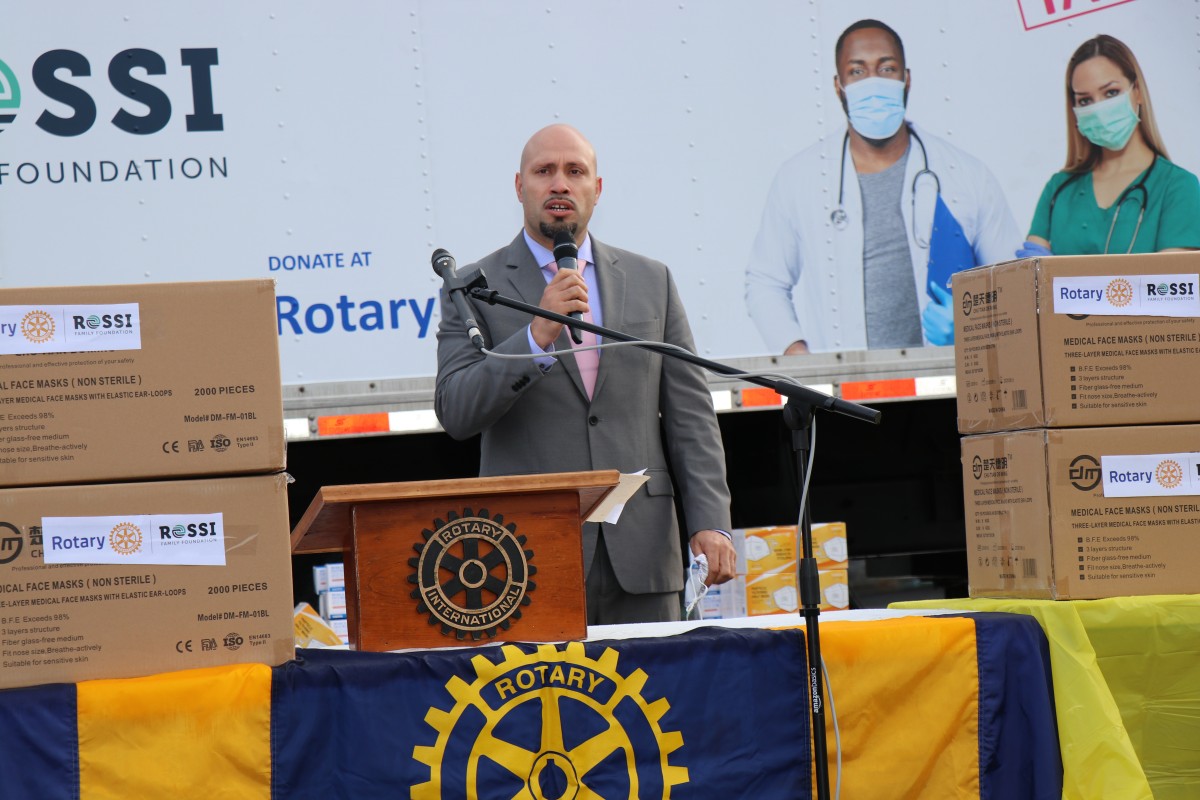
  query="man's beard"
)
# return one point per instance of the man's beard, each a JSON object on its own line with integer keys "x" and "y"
{"x": 552, "y": 229}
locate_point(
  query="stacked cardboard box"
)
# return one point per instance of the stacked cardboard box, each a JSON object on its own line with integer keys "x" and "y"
{"x": 1075, "y": 392}
{"x": 767, "y": 565}
{"x": 143, "y": 511}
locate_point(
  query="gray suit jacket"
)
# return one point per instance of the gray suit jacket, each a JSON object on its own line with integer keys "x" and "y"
{"x": 533, "y": 422}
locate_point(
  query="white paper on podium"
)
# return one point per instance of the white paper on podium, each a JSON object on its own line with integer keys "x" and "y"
{"x": 609, "y": 509}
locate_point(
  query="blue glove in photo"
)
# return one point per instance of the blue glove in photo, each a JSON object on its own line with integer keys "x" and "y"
{"x": 1030, "y": 249}
{"x": 937, "y": 319}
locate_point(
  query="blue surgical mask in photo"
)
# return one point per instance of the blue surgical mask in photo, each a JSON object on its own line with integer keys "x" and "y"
{"x": 875, "y": 106}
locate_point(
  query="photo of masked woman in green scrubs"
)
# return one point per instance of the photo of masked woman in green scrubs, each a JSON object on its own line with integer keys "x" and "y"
{"x": 1119, "y": 192}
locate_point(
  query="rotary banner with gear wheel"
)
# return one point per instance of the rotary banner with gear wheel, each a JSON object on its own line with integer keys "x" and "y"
{"x": 618, "y": 719}
{"x": 929, "y": 707}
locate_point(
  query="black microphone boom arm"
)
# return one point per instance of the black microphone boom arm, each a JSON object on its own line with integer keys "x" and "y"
{"x": 818, "y": 400}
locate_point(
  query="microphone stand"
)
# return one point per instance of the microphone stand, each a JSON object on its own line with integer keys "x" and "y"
{"x": 801, "y": 405}
{"x": 798, "y": 416}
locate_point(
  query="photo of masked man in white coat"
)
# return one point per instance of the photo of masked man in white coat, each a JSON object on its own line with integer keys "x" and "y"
{"x": 866, "y": 263}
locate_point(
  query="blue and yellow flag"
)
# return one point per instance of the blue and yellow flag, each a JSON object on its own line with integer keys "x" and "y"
{"x": 945, "y": 707}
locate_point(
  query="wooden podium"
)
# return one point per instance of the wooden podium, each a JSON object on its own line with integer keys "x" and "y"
{"x": 441, "y": 563}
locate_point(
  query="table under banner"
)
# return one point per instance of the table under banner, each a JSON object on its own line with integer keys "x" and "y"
{"x": 926, "y": 706}
{"x": 1127, "y": 688}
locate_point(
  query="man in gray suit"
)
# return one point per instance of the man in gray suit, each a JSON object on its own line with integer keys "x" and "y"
{"x": 570, "y": 413}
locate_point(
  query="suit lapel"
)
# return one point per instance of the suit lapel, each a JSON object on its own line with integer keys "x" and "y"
{"x": 610, "y": 276}
{"x": 524, "y": 273}
{"x": 528, "y": 282}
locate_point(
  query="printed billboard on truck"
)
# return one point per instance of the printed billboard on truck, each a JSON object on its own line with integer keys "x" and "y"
{"x": 334, "y": 147}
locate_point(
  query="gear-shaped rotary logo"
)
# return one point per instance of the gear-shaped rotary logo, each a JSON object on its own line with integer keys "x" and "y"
{"x": 472, "y": 574}
{"x": 1169, "y": 474}
{"x": 551, "y": 724}
{"x": 125, "y": 538}
{"x": 1119, "y": 292}
{"x": 37, "y": 326}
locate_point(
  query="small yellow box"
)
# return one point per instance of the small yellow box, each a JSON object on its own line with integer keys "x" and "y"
{"x": 829, "y": 545}
{"x": 769, "y": 549}
{"x": 772, "y": 593}
{"x": 835, "y": 589}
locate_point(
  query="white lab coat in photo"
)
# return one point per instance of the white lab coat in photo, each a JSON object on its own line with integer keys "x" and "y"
{"x": 804, "y": 280}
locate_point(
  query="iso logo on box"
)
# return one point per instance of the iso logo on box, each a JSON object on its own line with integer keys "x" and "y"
{"x": 233, "y": 641}
{"x": 220, "y": 443}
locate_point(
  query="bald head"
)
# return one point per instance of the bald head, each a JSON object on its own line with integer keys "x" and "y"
{"x": 557, "y": 136}
{"x": 557, "y": 184}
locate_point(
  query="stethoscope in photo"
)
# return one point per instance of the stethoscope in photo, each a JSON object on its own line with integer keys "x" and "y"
{"x": 1140, "y": 186}
{"x": 841, "y": 219}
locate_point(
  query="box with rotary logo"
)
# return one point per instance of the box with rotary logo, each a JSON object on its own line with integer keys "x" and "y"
{"x": 141, "y": 381}
{"x": 1083, "y": 513}
{"x": 1078, "y": 341}
{"x": 129, "y": 579}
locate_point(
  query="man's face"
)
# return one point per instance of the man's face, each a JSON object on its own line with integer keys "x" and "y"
{"x": 557, "y": 185}
{"x": 869, "y": 53}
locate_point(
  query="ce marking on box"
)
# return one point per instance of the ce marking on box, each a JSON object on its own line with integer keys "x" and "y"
{"x": 183, "y": 646}
{"x": 169, "y": 447}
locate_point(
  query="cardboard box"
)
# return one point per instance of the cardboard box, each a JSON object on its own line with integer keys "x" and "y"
{"x": 763, "y": 550}
{"x": 1078, "y": 341}
{"x": 145, "y": 381}
{"x": 73, "y": 622}
{"x": 1083, "y": 512}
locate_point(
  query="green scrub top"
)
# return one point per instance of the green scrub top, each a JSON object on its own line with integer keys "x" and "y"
{"x": 1079, "y": 227}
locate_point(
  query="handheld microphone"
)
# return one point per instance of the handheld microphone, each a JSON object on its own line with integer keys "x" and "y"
{"x": 566, "y": 255}
{"x": 443, "y": 265}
